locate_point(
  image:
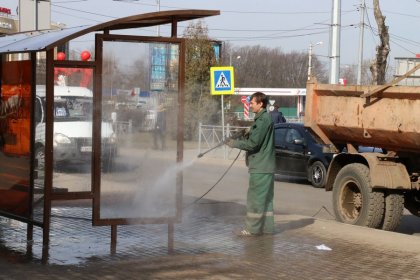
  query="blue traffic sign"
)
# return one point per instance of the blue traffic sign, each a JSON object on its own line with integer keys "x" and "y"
{"x": 222, "y": 80}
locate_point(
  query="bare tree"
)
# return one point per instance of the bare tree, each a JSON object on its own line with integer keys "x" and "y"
{"x": 266, "y": 67}
{"x": 138, "y": 74}
{"x": 378, "y": 66}
{"x": 350, "y": 73}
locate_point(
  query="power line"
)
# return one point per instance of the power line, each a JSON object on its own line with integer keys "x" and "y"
{"x": 81, "y": 11}
{"x": 90, "y": 19}
{"x": 227, "y": 30}
{"x": 394, "y": 38}
{"x": 243, "y": 12}
{"x": 268, "y": 30}
{"x": 230, "y": 38}
{"x": 396, "y": 13}
{"x": 278, "y": 32}
{"x": 371, "y": 28}
{"x": 273, "y": 37}
{"x": 393, "y": 41}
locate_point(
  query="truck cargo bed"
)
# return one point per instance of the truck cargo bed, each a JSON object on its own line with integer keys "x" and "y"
{"x": 390, "y": 119}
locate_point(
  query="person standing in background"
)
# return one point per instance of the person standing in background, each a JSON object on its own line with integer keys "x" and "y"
{"x": 277, "y": 116}
{"x": 160, "y": 129}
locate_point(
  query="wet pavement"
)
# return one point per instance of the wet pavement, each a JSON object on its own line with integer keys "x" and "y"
{"x": 302, "y": 247}
{"x": 205, "y": 248}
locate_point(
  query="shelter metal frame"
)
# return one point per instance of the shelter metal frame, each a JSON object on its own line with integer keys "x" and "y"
{"x": 48, "y": 41}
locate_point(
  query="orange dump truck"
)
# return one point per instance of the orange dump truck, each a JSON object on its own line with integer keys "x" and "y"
{"x": 369, "y": 189}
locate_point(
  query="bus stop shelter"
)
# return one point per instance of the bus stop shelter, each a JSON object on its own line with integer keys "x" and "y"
{"x": 61, "y": 117}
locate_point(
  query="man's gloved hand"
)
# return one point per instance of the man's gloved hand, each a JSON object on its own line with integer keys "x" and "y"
{"x": 246, "y": 131}
{"x": 230, "y": 142}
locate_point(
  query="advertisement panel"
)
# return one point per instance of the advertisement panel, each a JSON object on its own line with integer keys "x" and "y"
{"x": 15, "y": 112}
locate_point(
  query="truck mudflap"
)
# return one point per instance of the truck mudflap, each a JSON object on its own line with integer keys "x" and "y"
{"x": 384, "y": 172}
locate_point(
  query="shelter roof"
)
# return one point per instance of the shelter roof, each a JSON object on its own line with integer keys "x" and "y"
{"x": 46, "y": 39}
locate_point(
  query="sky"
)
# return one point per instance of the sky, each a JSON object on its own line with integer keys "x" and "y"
{"x": 288, "y": 25}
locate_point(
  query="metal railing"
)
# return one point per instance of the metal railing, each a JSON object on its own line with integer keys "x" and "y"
{"x": 123, "y": 127}
{"x": 210, "y": 136}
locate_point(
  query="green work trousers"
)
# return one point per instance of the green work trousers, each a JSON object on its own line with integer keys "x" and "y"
{"x": 260, "y": 215}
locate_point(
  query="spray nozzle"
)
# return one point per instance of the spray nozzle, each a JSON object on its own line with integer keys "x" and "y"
{"x": 236, "y": 135}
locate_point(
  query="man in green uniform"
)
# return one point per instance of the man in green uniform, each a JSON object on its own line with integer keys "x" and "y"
{"x": 260, "y": 158}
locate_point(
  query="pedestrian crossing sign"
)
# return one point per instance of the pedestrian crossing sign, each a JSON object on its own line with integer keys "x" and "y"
{"x": 222, "y": 80}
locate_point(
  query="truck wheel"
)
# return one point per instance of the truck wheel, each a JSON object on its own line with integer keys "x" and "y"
{"x": 318, "y": 174}
{"x": 354, "y": 200}
{"x": 394, "y": 207}
{"x": 412, "y": 203}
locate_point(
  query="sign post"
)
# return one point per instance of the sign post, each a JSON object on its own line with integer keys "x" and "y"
{"x": 222, "y": 82}
{"x": 244, "y": 100}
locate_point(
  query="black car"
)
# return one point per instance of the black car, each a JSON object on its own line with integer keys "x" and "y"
{"x": 298, "y": 153}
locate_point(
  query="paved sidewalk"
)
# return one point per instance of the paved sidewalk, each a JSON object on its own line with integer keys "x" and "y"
{"x": 205, "y": 248}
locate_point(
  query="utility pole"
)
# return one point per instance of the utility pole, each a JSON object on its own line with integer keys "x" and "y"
{"x": 335, "y": 42}
{"x": 311, "y": 46}
{"x": 36, "y": 15}
{"x": 361, "y": 34}
{"x": 158, "y": 9}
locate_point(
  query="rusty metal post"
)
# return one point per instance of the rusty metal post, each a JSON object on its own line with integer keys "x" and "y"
{"x": 49, "y": 130}
{"x": 170, "y": 238}
{"x": 113, "y": 239}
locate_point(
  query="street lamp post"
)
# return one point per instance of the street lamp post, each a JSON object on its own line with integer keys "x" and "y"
{"x": 310, "y": 58}
{"x": 230, "y": 58}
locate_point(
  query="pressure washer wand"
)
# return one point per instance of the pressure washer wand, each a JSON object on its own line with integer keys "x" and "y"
{"x": 236, "y": 135}
{"x": 211, "y": 149}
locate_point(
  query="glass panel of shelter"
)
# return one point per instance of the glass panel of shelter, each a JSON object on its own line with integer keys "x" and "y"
{"x": 140, "y": 97}
{"x": 73, "y": 126}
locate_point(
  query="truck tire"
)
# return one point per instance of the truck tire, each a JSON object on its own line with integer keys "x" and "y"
{"x": 412, "y": 202}
{"x": 318, "y": 174}
{"x": 354, "y": 200}
{"x": 394, "y": 207}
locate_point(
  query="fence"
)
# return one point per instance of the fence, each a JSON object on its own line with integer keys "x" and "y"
{"x": 123, "y": 127}
{"x": 212, "y": 135}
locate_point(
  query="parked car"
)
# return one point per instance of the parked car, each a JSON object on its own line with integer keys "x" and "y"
{"x": 72, "y": 140}
{"x": 299, "y": 154}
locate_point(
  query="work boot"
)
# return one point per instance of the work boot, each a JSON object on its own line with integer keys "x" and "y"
{"x": 245, "y": 233}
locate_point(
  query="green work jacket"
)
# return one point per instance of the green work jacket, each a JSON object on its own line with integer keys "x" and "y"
{"x": 259, "y": 144}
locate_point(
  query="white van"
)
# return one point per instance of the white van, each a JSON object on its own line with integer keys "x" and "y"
{"x": 72, "y": 127}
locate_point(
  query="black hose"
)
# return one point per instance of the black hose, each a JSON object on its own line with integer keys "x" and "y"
{"x": 215, "y": 184}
